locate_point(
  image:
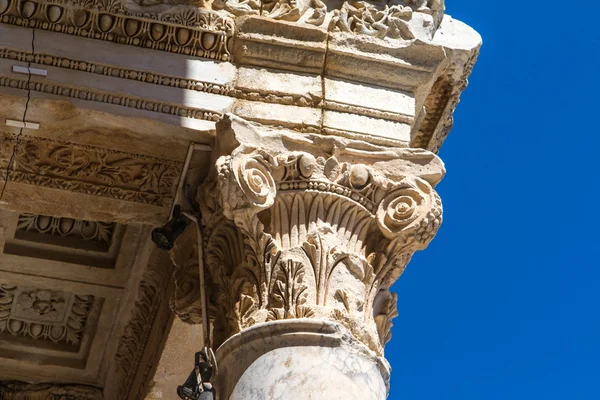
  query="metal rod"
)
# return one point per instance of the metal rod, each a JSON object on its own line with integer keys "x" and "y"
{"x": 201, "y": 271}
{"x": 200, "y": 147}
{"x": 186, "y": 165}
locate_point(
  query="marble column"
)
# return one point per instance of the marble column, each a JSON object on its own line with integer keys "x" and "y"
{"x": 300, "y": 359}
{"x": 304, "y": 234}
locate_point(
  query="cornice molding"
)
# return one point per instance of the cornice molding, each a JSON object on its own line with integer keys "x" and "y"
{"x": 102, "y": 96}
{"x": 156, "y": 79}
{"x": 189, "y": 31}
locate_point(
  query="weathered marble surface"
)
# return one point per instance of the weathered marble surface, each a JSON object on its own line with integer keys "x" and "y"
{"x": 306, "y": 226}
{"x": 300, "y": 360}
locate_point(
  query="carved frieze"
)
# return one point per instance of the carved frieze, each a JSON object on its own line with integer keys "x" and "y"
{"x": 205, "y": 29}
{"x": 185, "y": 30}
{"x": 320, "y": 234}
{"x": 395, "y": 19}
{"x": 135, "y": 341}
{"x": 90, "y": 170}
{"x": 43, "y": 314}
{"x": 96, "y": 231}
{"x": 12, "y": 390}
{"x": 392, "y": 19}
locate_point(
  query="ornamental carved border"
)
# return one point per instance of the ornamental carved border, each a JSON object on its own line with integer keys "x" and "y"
{"x": 158, "y": 79}
{"x": 183, "y": 30}
{"x": 381, "y": 19}
{"x": 133, "y": 347}
{"x": 90, "y": 170}
{"x": 78, "y": 229}
{"x": 13, "y": 390}
{"x": 105, "y": 97}
{"x": 114, "y": 71}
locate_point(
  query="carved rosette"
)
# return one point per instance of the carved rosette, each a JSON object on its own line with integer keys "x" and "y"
{"x": 292, "y": 235}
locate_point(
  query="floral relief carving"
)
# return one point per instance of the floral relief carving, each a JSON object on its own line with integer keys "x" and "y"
{"x": 392, "y": 19}
{"x": 206, "y": 29}
{"x": 91, "y": 170}
{"x": 290, "y": 234}
{"x": 87, "y": 230}
{"x": 395, "y": 19}
{"x": 43, "y": 314}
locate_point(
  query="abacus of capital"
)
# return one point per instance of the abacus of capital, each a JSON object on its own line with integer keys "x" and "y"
{"x": 313, "y": 186}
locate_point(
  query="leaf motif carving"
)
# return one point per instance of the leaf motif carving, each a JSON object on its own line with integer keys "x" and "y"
{"x": 91, "y": 170}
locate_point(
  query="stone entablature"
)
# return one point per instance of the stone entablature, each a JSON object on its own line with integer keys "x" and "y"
{"x": 205, "y": 29}
{"x": 324, "y": 119}
{"x": 293, "y": 75}
{"x": 391, "y": 79}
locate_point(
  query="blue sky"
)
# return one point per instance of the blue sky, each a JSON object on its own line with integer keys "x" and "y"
{"x": 505, "y": 303}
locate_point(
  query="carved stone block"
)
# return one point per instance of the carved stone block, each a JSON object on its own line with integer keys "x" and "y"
{"x": 43, "y": 315}
{"x": 306, "y": 226}
{"x": 90, "y": 170}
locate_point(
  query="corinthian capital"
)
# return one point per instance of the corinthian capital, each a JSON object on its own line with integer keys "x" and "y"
{"x": 311, "y": 226}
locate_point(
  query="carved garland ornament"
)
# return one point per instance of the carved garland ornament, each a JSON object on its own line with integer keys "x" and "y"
{"x": 90, "y": 170}
{"x": 294, "y": 236}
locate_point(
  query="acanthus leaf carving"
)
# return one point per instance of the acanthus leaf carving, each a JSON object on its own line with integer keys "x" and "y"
{"x": 385, "y": 314}
{"x": 297, "y": 234}
{"x": 288, "y": 292}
